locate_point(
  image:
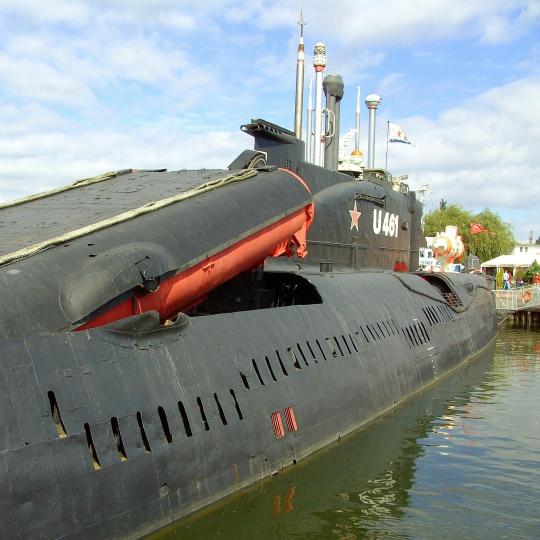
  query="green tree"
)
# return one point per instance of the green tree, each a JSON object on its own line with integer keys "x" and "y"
{"x": 484, "y": 245}
{"x": 499, "y": 278}
{"x": 532, "y": 271}
{"x": 499, "y": 241}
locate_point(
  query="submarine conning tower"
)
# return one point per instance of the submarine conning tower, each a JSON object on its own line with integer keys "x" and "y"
{"x": 359, "y": 222}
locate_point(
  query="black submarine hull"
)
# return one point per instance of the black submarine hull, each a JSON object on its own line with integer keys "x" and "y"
{"x": 381, "y": 464}
{"x": 113, "y": 432}
{"x": 168, "y": 338}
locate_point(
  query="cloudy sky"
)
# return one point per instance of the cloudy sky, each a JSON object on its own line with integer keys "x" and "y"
{"x": 86, "y": 87}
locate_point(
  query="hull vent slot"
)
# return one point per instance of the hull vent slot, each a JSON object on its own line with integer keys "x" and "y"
{"x": 185, "y": 419}
{"x": 203, "y": 414}
{"x": 92, "y": 448}
{"x": 237, "y": 405}
{"x": 118, "y": 439}
{"x": 57, "y": 418}
{"x": 165, "y": 424}
{"x": 144, "y": 438}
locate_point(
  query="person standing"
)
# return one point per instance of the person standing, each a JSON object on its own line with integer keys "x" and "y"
{"x": 506, "y": 280}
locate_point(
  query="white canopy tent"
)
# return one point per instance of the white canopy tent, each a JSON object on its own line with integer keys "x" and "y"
{"x": 522, "y": 260}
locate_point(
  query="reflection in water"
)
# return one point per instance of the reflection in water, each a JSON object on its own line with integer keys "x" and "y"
{"x": 461, "y": 460}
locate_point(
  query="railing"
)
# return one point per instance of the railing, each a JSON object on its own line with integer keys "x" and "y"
{"x": 516, "y": 299}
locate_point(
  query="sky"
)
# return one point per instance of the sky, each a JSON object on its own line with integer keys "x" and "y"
{"x": 88, "y": 87}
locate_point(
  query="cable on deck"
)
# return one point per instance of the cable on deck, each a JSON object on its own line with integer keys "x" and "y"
{"x": 239, "y": 176}
{"x": 77, "y": 184}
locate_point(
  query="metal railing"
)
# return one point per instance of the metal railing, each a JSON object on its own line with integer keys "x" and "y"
{"x": 520, "y": 298}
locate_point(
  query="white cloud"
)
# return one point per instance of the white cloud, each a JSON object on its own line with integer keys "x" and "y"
{"x": 37, "y": 80}
{"x": 391, "y": 84}
{"x": 41, "y": 159}
{"x": 152, "y": 84}
{"x": 396, "y": 22}
{"x": 481, "y": 154}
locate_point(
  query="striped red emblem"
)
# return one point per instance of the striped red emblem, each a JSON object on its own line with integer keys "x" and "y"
{"x": 277, "y": 424}
{"x": 290, "y": 419}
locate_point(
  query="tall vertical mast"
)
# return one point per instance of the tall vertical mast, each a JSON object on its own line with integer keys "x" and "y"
{"x": 357, "y": 122}
{"x": 319, "y": 63}
{"x": 372, "y": 102}
{"x": 299, "y": 101}
{"x": 309, "y": 127}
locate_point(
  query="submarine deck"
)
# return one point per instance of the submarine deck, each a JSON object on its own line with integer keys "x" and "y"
{"x": 30, "y": 220}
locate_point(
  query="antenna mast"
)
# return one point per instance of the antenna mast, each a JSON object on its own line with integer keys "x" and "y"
{"x": 372, "y": 103}
{"x": 319, "y": 63}
{"x": 299, "y": 101}
{"x": 357, "y": 123}
{"x": 309, "y": 127}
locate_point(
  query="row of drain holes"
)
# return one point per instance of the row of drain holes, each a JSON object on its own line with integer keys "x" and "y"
{"x": 335, "y": 347}
{"x": 416, "y": 335}
{"x": 62, "y": 432}
{"x": 438, "y": 314}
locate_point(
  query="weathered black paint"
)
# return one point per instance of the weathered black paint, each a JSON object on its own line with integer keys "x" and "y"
{"x": 367, "y": 340}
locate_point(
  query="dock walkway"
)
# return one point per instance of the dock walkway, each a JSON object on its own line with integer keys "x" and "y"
{"x": 519, "y": 299}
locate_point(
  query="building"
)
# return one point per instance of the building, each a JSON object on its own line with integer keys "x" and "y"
{"x": 523, "y": 255}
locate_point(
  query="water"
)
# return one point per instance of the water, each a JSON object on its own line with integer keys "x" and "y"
{"x": 462, "y": 460}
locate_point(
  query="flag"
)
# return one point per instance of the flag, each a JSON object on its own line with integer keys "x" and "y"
{"x": 396, "y": 134}
{"x": 476, "y": 228}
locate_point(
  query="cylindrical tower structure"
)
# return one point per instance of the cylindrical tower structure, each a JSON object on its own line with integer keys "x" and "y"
{"x": 372, "y": 103}
{"x": 309, "y": 127}
{"x": 319, "y": 63}
{"x": 299, "y": 101}
{"x": 333, "y": 89}
{"x": 357, "y": 121}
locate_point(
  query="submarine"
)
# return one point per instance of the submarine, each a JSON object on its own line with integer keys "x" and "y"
{"x": 170, "y": 337}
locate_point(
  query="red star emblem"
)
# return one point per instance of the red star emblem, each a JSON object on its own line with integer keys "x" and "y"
{"x": 355, "y": 216}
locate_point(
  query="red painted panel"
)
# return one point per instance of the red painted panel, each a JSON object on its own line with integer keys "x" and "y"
{"x": 277, "y": 424}
{"x": 290, "y": 418}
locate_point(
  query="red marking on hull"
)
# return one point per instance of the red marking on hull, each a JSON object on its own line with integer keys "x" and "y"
{"x": 290, "y": 419}
{"x": 277, "y": 424}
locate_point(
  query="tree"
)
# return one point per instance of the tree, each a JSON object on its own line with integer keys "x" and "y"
{"x": 484, "y": 245}
{"x": 499, "y": 278}
{"x": 498, "y": 241}
{"x": 532, "y": 271}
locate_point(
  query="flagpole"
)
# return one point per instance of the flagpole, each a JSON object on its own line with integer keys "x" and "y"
{"x": 387, "y": 133}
